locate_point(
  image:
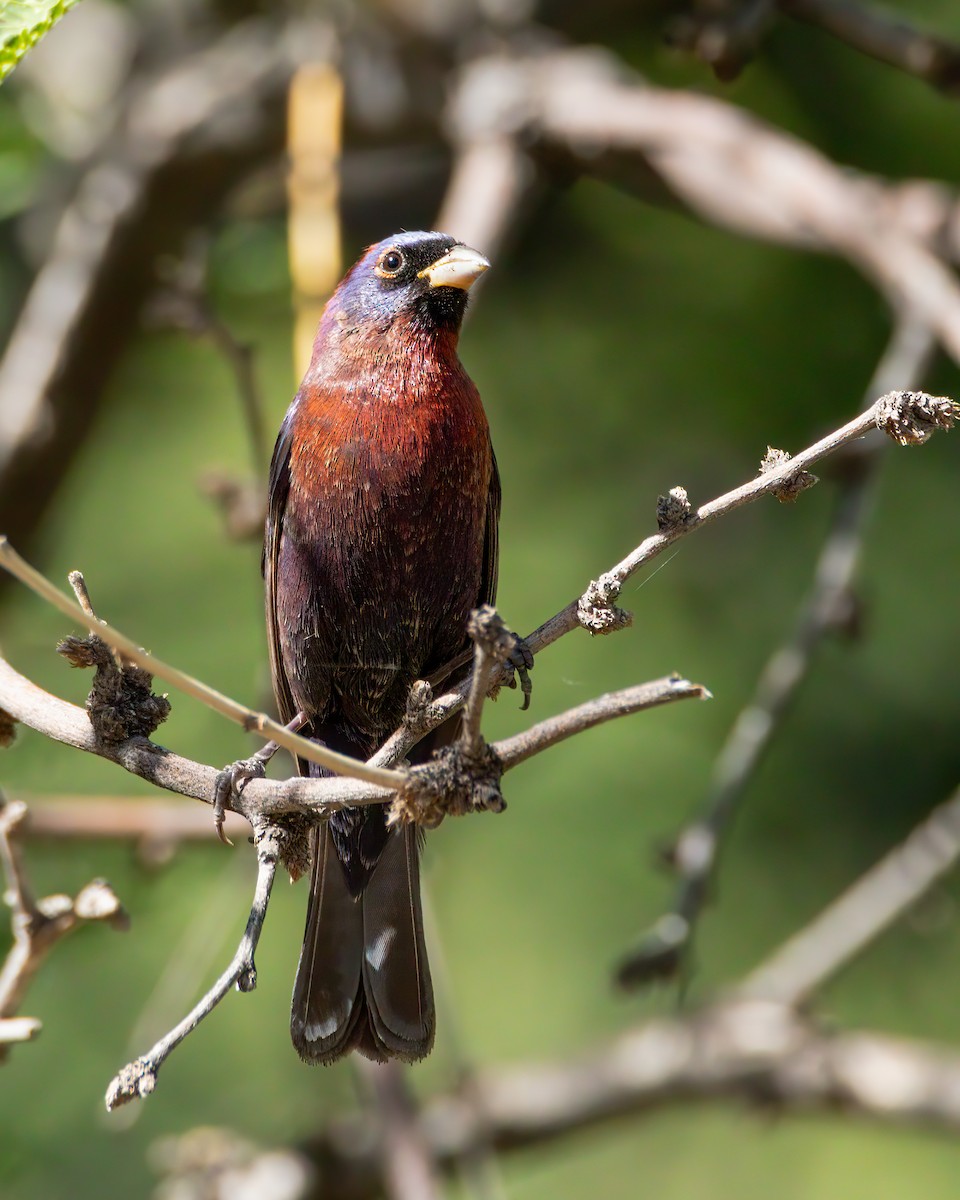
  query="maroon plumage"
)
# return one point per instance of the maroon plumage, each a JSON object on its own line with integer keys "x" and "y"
{"x": 381, "y": 537}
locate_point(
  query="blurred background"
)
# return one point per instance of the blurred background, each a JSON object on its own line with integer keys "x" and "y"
{"x": 166, "y": 237}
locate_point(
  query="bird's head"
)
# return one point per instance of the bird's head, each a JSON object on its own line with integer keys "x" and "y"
{"x": 422, "y": 278}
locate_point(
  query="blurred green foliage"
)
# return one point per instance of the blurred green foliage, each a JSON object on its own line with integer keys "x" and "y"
{"x": 620, "y": 350}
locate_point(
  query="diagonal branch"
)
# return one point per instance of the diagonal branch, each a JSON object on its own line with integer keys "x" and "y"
{"x": 139, "y": 1078}
{"x": 593, "y": 608}
{"x": 695, "y": 853}
{"x": 890, "y": 39}
{"x": 862, "y": 913}
{"x": 517, "y": 749}
{"x": 908, "y": 417}
{"x": 251, "y": 721}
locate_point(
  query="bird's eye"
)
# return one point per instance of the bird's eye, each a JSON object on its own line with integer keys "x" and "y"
{"x": 390, "y": 264}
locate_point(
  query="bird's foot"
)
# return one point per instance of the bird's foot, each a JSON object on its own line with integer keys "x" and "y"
{"x": 233, "y": 779}
{"x": 520, "y": 659}
{"x": 230, "y": 783}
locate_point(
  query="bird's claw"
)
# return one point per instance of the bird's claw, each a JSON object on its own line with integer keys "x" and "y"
{"x": 520, "y": 659}
{"x": 230, "y": 783}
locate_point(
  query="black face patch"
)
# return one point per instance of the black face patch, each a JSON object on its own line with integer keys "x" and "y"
{"x": 385, "y": 285}
{"x": 399, "y": 262}
{"x": 442, "y": 307}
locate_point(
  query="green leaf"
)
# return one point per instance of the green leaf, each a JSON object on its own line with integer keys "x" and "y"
{"x": 22, "y": 24}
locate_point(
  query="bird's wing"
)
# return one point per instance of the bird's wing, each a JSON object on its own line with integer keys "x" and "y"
{"x": 491, "y": 540}
{"x": 278, "y": 490}
{"x": 487, "y": 593}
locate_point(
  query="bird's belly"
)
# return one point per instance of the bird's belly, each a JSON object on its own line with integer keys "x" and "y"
{"x": 385, "y": 568}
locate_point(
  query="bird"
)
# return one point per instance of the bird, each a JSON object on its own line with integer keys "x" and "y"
{"x": 380, "y": 539}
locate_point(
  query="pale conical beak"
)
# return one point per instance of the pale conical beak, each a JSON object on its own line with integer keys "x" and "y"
{"x": 460, "y": 267}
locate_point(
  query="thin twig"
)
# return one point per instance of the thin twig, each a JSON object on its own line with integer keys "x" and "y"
{"x": 184, "y": 304}
{"x": 239, "y": 356}
{"x": 517, "y": 749}
{"x": 139, "y": 1078}
{"x": 597, "y": 602}
{"x": 890, "y": 39}
{"x": 492, "y": 644}
{"x": 666, "y": 946}
{"x": 252, "y": 722}
{"x": 38, "y": 924}
{"x": 79, "y": 585}
{"x": 910, "y": 417}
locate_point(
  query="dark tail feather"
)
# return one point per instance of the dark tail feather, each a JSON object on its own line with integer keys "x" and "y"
{"x": 396, "y": 974}
{"x": 363, "y": 982}
{"x": 326, "y": 996}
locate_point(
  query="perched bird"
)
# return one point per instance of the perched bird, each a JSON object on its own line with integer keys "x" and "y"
{"x": 381, "y": 537}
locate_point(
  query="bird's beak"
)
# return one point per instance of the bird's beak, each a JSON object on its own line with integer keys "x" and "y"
{"x": 460, "y": 267}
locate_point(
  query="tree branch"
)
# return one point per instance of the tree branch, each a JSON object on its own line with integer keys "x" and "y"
{"x": 38, "y": 924}
{"x": 889, "y": 39}
{"x": 157, "y": 825}
{"x": 864, "y": 911}
{"x": 749, "y": 1051}
{"x": 139, "y": 1078}
{"x": 517, "y": 749}
{"x": 666, "y": 946}
{"x": 578, "y": 111}
{"x": 185, "y": 138}
{"x": 907, "y": 417}
{"x": 251, "y": 721}
{"x": 595, "y": 609}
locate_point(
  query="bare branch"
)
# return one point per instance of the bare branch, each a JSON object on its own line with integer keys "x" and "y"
{"x": 251, "y": 721}
{"x": 521, "y": 746}
{"x": 912, "y": 416}
{"x": 492, "y": 644}
{"x": 889, "y": 39}
{"x": 65, "y": 722}
{"x": 184, "y": 303}
{"x": 864, "y": 911}
{"x": 753, "y": 1051}
{"x": 18, "y": 1029}
{"x": 579, "y": 110}
{"x": 139, "y": 1078}
{"x": 605, "y": 590}
{"x": 38, "y": 924}
{"x": 158, "y": 825}
{"x": 695, "y": 853}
